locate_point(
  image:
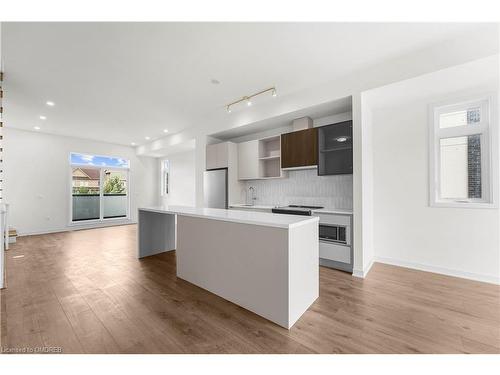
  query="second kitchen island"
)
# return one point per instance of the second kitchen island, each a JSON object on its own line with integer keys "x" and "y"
{"x": 265, "y": 263}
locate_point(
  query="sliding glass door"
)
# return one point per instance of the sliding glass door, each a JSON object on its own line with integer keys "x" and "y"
{"x": 86, "y": 193}
{"x": 99, "y": 188}
{"x": 115, "y": 199}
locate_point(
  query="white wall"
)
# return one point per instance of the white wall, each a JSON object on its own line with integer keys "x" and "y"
{"x": 2, "y": 254}
{"x": 182, "y": 179}
{"x": 407, "y": 231}
{"x": 333, "y": 119}
{"x": 37, "y": 181}
{"x": 363, "y": 185}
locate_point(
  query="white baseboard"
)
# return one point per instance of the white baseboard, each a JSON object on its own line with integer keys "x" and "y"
{"x": 362, "y": 273}
{"x": 444, "y": 271}
{"x": 76, "y": 227}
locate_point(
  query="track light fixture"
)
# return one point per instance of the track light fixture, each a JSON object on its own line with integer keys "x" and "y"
{"x": 248, "y": 99}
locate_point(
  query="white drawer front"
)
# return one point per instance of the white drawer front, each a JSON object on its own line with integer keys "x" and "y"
{"x": 332, "y": 251}
{"x": 334, "y": 219}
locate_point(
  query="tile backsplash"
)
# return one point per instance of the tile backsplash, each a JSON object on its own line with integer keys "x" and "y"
{"x": 304, "y": 187}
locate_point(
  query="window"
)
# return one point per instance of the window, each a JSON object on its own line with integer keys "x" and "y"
{"x": 98, "y": 161}
{"x": 165, "y": 175}
{"x": 99, "y": 188}
{"x": 460, "y": 161}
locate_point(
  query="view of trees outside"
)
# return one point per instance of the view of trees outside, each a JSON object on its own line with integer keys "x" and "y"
{"x": 114, "y": 185}
{"x": 86, "y": 181}
{"x": 85, "y": 190}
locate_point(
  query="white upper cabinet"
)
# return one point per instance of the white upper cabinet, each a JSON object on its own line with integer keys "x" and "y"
{"x": 222, "y": 155}
{"x": 217, "y": 156}
{"x": 248, "y": 160}
{"x": 211, "y": 157}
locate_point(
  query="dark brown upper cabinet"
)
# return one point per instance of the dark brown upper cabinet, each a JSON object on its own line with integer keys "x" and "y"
{"x": 299, "y": 148}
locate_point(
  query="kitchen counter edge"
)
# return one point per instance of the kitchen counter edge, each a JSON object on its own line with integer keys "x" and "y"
{"x": 249, "y": 217}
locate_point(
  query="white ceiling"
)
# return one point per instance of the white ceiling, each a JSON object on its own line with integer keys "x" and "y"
{"x": 334, "y": 107}
{"x": 121, "y": 82}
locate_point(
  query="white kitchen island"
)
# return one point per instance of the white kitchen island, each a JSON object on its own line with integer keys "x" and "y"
{"x": 266, "y": 263}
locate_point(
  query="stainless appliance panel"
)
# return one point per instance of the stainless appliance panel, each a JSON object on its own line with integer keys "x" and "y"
{"x": 335, "y": 241}
{"x": 215, "y": 188}
{"x": 334, "y": 233}
{"x": 335, "y": 252}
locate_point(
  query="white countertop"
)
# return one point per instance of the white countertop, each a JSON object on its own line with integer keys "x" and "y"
{"x": 236, "y": 216}
{"x": 326, "y": 210}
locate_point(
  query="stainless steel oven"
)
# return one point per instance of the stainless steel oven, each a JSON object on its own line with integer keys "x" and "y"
{"x": 335, "y": 241}
{"x": 334, "y": 233}
{"x": 335, "y": 250}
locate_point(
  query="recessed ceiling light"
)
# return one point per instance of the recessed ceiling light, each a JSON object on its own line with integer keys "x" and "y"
{"x": 132, "y": 143}
{"x": 147, "y": 138}
{"x": 50, "y": 104}
{"x": 249, "y": 102}
{"x": 214, "y": 81}
{"x": 165, "y": 130}
{"x": 36, "y": 127}
{"x": 43, "y": 117}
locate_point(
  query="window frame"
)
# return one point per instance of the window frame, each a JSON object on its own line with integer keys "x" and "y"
{"x": 101, "y": 169}
{"x": 486, "y": 128}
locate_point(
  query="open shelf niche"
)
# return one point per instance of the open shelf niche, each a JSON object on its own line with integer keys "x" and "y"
{"x": 270, "y": 157}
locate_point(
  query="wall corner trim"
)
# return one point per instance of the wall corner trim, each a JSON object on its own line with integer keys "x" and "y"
{"x": 363, "y": 273}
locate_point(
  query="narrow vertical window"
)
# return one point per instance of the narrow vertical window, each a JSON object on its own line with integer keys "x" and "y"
{"x": 165, "y": 168}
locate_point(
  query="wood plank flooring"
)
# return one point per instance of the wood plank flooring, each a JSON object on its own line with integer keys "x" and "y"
{"x": 85, "y": 292}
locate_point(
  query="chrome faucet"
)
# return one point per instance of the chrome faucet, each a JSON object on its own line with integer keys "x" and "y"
{"x": 253, "y": 198}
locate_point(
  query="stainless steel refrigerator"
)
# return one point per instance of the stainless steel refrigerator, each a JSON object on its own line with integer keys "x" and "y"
{"x": 215, "y": 188}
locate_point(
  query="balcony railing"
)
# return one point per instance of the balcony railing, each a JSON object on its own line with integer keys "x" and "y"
{"x": 114, "y": 205}
{"x": 87, "y": 206}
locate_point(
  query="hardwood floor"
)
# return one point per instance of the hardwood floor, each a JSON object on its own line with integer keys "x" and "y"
{"x": 85, "y": 292}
